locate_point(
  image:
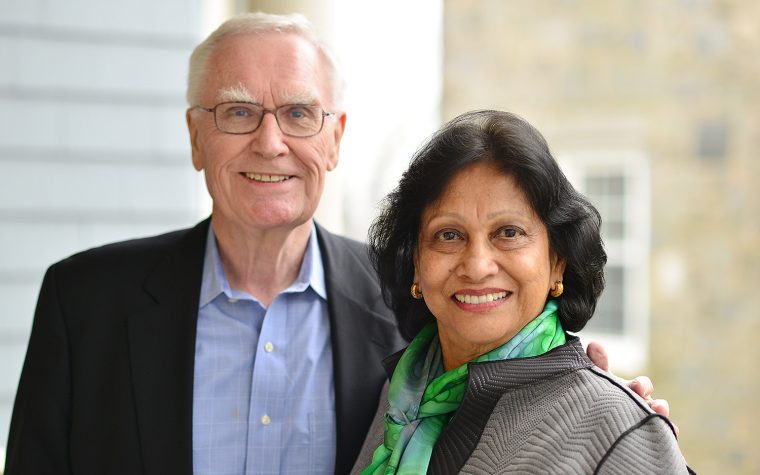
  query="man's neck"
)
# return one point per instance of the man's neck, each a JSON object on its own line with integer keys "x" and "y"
{"x": 261, "y": 262}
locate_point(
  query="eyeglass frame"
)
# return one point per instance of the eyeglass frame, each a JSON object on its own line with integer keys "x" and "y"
{"x": 264, "y": 112}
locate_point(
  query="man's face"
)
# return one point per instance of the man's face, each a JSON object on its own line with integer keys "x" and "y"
{"x": 264, "y": 180}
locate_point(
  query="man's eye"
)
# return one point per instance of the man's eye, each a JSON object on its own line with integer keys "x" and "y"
{"x": 239, "y": 112}
{"x": 299, "y": 113}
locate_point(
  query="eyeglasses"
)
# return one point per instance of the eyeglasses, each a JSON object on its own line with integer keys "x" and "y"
{"x": 295, "y": 120}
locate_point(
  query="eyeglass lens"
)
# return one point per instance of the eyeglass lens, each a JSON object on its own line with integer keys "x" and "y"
{"x": 294, "y": 119}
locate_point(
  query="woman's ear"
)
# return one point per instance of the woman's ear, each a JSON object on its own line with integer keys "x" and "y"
{"x": 558, "y": 268}
{"x": 415, "y": 262}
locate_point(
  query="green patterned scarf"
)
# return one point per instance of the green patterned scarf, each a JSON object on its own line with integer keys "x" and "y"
{"x": 423, "y": 398}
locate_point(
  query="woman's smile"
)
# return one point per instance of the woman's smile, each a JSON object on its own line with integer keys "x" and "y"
{"x": 480, "y": 300}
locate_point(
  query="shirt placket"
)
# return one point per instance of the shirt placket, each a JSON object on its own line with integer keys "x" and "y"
{"x": 269, "y": 385}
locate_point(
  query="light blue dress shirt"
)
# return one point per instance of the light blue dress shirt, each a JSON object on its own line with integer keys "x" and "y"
{"x": 263, "y": 394}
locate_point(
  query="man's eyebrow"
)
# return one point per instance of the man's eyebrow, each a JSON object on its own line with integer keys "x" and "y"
{"x": 236, "y": 93}
{"x": 239, "y": 93}
{"x": 298, "y": 97}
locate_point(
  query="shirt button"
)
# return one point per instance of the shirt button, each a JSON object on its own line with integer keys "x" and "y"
{"x": 268, "y": 347}
{"x": 265, "y": 420}
{"x": 232, "y": 300}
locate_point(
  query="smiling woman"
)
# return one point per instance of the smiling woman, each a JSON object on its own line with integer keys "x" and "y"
{"x": 502, "y": 256}
{"x": 483, "y": 262}
{"x": 524, "y": 181}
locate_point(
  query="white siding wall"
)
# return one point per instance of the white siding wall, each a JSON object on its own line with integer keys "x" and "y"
{"x": 93, "y": 145}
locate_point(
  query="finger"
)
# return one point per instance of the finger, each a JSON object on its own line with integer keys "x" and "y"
{"x": 598, "y": 355}
{"x": 642, "y": 386}
{"x": 660, "y": 406}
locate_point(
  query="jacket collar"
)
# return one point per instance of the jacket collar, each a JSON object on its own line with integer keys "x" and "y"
{"x": 486, "y": 384}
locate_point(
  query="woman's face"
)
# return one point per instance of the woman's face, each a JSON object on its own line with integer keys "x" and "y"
{"x": 483, "y": 262}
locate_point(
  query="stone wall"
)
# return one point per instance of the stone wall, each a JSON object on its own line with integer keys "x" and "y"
{"x": 677, "y": 81}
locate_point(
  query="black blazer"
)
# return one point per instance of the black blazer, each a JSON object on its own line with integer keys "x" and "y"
{"x": 107, "y": 384}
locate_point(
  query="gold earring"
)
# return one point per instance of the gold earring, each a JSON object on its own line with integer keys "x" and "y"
{"x": 416, "y": 292}
{"x": 557, "y": 289}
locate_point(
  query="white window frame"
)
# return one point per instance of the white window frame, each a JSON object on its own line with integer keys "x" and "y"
{"x": 628, "y": 350}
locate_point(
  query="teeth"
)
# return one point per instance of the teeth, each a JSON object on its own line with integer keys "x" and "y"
{"x": 478, "y": 299}
{"x": 266, "y": 178}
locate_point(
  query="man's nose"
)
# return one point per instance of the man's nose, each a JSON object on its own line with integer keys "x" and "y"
{"x": 268, "y": 139}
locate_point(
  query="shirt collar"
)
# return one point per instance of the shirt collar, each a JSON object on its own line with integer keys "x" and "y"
{"x": 311, "y": 273}
{"x": 312, "y": 268}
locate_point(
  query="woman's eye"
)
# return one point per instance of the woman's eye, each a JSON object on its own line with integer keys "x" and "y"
{"x": 447, "y": 235}
{"x": 508, "y": 233}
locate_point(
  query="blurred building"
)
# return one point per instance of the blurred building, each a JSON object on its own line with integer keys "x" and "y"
{"x": 652, "y": 108}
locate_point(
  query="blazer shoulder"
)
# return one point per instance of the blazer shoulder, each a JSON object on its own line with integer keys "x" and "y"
{"x": 129, "y": 253}
{"x": 618, "y": 386}
{"x": 347, "y": 260}
{"x": 343, "y": 249}
{"x": 350, "y": 277}
{"x": 610, "y": 395}
{"x": 577, "y": 417}
{"x": 118, "y": 269}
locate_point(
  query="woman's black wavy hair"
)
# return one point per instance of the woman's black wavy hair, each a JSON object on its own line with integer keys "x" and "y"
{"x": 519, "y": 150}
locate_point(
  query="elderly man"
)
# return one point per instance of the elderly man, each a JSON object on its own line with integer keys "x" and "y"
{"x": 250, "y": 343}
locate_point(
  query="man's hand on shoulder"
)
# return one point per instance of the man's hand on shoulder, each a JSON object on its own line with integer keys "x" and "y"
{"x": 641, "y": 385}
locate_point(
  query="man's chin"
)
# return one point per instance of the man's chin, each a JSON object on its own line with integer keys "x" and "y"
{"x": 263, "y": 222}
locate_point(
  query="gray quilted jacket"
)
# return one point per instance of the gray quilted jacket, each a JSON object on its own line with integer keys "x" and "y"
{"x": 552, "y": 414}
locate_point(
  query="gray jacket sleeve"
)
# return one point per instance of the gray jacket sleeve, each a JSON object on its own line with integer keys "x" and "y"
{"x": 647, "y": 448}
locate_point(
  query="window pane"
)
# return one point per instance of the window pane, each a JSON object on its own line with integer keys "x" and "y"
{"x": 712, "y": 139}
{"x": 608, "y": 317}
{"x": 607, "y": 193}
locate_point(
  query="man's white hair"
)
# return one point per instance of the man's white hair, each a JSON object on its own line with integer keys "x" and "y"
{"x": 260, "y": 23}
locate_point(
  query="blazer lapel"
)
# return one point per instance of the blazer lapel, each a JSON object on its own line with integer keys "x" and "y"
{"x": 162, "y": 354}
{"x": 362, "y": 333}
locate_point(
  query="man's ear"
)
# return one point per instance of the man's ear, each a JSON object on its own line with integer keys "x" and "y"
{"x": 192, "y": 129}
{"x": 338, "y": 129}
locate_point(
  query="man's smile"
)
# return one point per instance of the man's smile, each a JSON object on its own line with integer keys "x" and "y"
{"x": 265, "y": 178}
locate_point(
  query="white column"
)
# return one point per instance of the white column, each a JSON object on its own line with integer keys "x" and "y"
{"x": 391, "y": 56}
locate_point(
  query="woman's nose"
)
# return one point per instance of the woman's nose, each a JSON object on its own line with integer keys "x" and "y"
{"x": 478, "y": 262}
